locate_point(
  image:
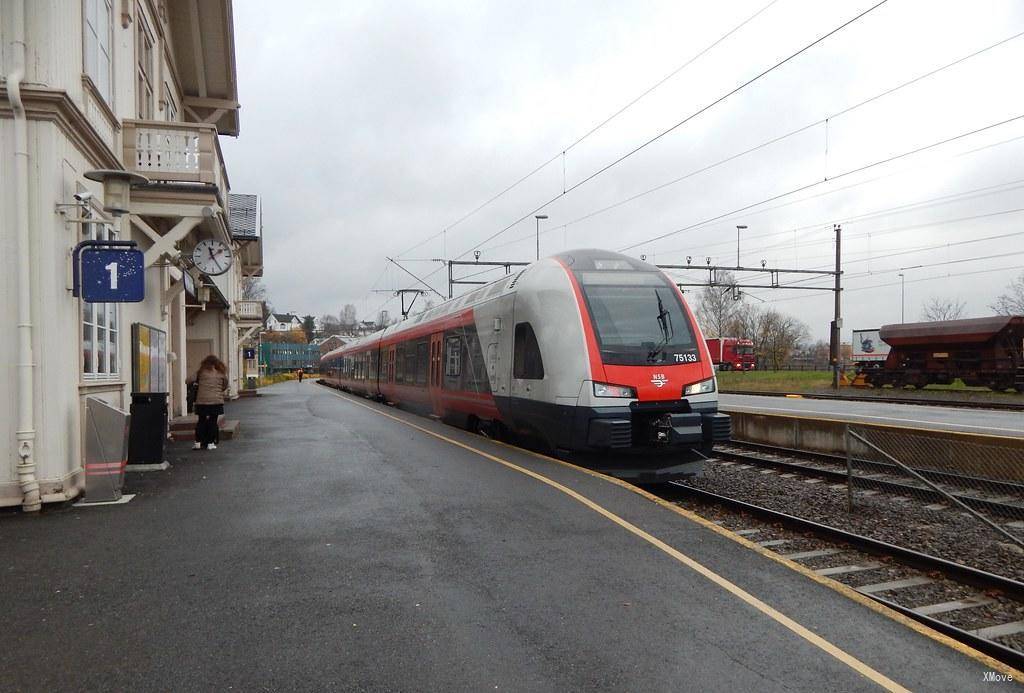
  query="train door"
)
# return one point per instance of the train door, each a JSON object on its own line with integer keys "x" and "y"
{"x": 435, "y": 373}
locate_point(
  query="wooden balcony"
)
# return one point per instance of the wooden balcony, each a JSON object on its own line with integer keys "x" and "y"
{"x": 175, "y": 153}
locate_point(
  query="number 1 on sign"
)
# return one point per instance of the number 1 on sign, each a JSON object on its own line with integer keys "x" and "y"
{"x": 112, "y": 268}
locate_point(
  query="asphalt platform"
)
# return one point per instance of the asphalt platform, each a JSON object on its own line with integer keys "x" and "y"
{"x": 330, "y": 547}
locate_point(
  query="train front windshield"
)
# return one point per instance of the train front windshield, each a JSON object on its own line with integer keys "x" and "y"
{"x": 638, "y": 317}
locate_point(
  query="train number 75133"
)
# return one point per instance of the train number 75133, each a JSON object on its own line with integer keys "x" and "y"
{"x": 686, "y": 358}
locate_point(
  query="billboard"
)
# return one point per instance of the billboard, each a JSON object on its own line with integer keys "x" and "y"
{"x": 149, "y": 359}
{"x": 866, "y": 345}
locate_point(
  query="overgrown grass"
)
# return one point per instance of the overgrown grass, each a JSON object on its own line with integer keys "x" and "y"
{"x": 774, "y": 381}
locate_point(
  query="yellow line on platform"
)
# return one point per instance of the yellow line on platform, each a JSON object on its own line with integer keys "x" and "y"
{"x": 770, "y": 611}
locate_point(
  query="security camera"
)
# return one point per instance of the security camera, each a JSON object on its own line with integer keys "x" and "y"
{"x": 83, "y": 196}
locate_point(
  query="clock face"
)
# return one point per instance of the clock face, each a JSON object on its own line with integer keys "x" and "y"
{"x": 212, "y": 256}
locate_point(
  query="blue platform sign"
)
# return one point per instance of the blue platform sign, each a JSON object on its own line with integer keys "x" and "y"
{"x": 112, "y": 275}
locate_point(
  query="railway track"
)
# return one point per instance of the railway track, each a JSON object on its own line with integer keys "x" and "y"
{"x": 957, "y": 404}
{"x": 976, "y": 607}
{"x": 1001, "y": 498}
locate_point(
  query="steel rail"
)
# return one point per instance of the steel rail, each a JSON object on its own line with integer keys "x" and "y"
{"x": 953, "y": 478}
{"x": 976, "y": 577}
{"x": 996, "y": 507}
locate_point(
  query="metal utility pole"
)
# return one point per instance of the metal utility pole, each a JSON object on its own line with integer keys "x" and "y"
{"x": 739, "y": 227}
{"x": 538, "y": 217}
{"x": 837, "y": 322}
{"x": 903, "y": 298}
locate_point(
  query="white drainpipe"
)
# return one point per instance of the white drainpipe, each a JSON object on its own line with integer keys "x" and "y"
{"x": 26, "y": 433}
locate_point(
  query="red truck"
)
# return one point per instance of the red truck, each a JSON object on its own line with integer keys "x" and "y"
{"x": 731, "y": 353}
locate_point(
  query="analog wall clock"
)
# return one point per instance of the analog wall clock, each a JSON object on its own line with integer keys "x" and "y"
{"x": 212, "y": 256}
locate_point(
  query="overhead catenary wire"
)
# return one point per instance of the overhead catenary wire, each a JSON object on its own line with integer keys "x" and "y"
{"x": 579, "y": 140}
{"x": 808, "y": 186}
{"x": 827, "y": 224}
{"x": 773, "y": 140}
{"x": 679, "y": 124}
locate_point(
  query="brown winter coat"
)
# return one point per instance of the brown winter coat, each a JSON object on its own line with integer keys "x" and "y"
{"x": 213, "y": 387}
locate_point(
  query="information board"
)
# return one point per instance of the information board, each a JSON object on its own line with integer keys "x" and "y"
{"x": 112, "y": 275}
{"x": 149, "y": 359}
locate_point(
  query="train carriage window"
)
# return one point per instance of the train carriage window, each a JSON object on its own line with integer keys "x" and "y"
{"x": 527, "y": 362}
{"x": 400, "y": 363}
{"x": 422, "y": 361}
{"x": 453, "y": 362}
{"x": 410, "y": 362}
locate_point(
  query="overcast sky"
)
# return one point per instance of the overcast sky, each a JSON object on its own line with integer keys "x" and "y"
{"x": 368, "y": 128}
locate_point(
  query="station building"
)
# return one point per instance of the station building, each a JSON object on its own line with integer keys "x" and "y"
{"x": 143, "y": 86}
{"x": 283, "y": 357}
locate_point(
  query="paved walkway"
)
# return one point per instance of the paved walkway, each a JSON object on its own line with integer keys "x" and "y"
{"x": 333, "y": 547}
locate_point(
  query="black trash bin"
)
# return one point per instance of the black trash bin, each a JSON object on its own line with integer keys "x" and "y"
{"x": 148, "y": 428}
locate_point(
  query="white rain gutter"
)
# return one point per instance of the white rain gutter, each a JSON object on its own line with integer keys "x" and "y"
{"x": 26, "y": 433}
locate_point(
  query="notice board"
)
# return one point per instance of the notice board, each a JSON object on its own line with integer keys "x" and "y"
{"x": 149, "y": 359}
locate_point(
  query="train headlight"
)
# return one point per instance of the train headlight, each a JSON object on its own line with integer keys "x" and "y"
{"x": 700, "y": 388}
{"x": 607, "y": 390}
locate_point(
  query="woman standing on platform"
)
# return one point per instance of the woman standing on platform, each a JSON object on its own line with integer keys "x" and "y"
{"x": 212, "y": 382}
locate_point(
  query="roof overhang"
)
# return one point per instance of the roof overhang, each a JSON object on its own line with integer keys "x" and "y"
{"x": 203, "y": 40}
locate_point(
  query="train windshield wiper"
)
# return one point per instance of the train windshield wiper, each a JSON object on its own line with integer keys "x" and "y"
{"x": 665, "y": 325}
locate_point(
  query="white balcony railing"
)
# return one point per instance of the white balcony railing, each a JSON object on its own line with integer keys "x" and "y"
{"x": 174, "y": 152}
{"x": 249, "y": 310}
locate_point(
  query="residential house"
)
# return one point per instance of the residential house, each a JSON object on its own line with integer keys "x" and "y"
{"x": 283, "y": 322}
{"x": 329, "y": 343}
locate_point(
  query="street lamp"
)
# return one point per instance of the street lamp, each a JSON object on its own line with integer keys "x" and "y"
{"x": 903, "y": 298}
{"x": 739, "y": 227}
{"x": 116, "y": 188}
{"x": 538, "y": 217}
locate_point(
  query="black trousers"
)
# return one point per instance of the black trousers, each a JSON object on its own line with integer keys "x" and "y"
{"x": 207, "y": 430}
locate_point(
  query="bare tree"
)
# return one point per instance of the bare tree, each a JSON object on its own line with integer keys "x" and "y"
{"x": 1011, "y": 302}
{"x": 329, "y": 324}
{"x": 253, "y": 289}
{"x": 717, "y": 307}
{"x": 348, "y": 316}
{"x": 942, "y": 309}
{"x": 296, "y": 336}
{"x": 780, "y": 334}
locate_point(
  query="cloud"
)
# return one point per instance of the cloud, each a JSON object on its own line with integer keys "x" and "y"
{"x": 370, "y": 127}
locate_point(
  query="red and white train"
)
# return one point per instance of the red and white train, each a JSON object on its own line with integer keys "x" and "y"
{"x": 590, "y": 354}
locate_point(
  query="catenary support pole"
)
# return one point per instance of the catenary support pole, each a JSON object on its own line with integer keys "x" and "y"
{"x": 837, "y": 324}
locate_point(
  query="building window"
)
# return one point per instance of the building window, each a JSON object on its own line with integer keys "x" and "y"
{"x": 144, "y": 66}
{"x": 526, "y": 360}
{"x": 98, "y": 41}
{"x": 170, "y": 105}
{"x": 101, "y": 322}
